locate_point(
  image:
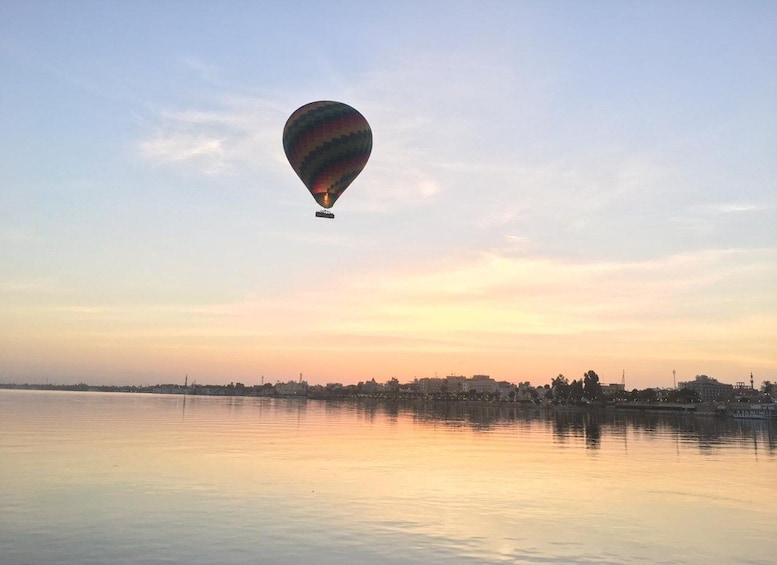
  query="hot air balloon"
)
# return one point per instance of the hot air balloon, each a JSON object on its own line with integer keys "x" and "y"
{"x": 327, "y": 144}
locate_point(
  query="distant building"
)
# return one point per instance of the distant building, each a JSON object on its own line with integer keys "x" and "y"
{"x": 708, "y": 389}
{"x": 524, "y": 392}
{"x": 291, "y": 388}
{"x": 371, "y": 387}
{"x": 545, "y": 393}
{"x": 504, "y": 388}
{"x": 746, "y": 393}
{"x": 612, "y": 389}
{"x": 481, "y": 383}
{"x": 456, "y": 384}
{"x": 430, "y": 385}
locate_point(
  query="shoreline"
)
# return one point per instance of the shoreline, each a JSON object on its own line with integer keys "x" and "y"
{"x": 734, "y": 410}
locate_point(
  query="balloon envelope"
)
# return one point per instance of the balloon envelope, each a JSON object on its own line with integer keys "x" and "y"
{"x": 327, "y": 144}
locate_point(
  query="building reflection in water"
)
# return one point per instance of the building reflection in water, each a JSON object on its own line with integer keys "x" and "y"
{"x": 706, "y": 432}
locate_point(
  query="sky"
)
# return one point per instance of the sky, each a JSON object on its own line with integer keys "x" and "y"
{"x": 554, "y": 187}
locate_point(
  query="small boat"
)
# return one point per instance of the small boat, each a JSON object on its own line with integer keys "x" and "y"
{"x": 755, "y": 411}
{"x": 325, "y": 214}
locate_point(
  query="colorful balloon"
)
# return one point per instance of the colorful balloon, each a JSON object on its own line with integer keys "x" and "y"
{"x": 327, "y": 144}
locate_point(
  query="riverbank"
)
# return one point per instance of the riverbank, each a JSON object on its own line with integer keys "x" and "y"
{"x": 738, "y": 410}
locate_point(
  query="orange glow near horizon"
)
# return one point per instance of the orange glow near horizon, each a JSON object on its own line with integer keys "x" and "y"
{"x": 515, "y": 319}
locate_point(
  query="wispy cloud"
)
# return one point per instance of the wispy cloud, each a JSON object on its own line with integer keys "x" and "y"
{"x": 505, "y": 313}
{"x": 732, "y": 208}
{"x": 515, "y": 296}
{"x": 703, "y": 219}
{"x": 201, "y": 68}
{"x": 195, "y": 149}
{"x": 241, "y": 134}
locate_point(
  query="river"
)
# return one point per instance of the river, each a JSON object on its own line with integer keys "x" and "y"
{"x": 99, "y": 478}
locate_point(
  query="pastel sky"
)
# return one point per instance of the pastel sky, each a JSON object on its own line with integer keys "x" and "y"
{"x": 554, "y": 187}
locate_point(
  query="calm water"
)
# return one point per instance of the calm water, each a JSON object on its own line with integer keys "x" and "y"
{"x": 121, "y": 478}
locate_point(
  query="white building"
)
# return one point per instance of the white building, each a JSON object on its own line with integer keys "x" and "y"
{"x": 291, "y": 388}
{"x": 708, "y": 389}
{"x": 481, "y": 384}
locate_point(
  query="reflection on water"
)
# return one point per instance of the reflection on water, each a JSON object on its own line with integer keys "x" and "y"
{"x": 708, "y": 432}
{"x": 122, "y": 478}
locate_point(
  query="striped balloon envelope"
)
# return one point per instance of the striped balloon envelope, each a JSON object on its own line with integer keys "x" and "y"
{"x": 327, "y": 144}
